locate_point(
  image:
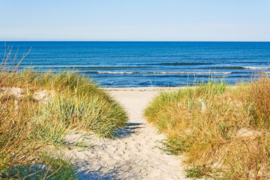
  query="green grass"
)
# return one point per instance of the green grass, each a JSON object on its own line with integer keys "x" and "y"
{"x": 77, "y": 103}
{"x": 89, "y": 112}
{"x": 197, "y": 172}
{"x": 50, "y": 167}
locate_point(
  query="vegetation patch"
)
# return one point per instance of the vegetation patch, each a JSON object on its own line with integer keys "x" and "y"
{"x": 223, "y": 131}
{"x": 38, "y": 109}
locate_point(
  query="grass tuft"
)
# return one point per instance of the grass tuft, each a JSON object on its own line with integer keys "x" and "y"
{"x": 217, "y": 127}
{"x": 50, "y": 167}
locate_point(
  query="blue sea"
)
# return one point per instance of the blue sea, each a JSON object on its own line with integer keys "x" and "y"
{"x": 146, "y": 64}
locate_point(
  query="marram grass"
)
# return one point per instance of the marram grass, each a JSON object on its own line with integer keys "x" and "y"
{"x": 88, "y": 112}
{"x": 50, "y": 167}
{"x": 229, "y": 139}
{"x": 76, "y": 103}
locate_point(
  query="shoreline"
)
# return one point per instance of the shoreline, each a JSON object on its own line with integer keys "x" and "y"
{"x": 143, "y": 88}
{"x": 153, "y": 88}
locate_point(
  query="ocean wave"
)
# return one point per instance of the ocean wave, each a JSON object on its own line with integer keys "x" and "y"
{"x": 158, "y": 72}
{"x": 238, "y": 67}
{"x": 259, "y": 68}
{"x": 180, "y": 64}
{"x": 81, "y": 66}
{"x": 226, "y": 67}
{"x": 100, "y": 72}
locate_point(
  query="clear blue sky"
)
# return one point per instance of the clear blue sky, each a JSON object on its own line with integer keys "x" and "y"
{"x": 135, "y": 20}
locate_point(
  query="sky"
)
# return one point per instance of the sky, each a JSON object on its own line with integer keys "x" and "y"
{"x": 135, "y": 20}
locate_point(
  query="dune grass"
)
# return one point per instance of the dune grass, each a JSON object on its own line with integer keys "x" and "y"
{"x": 38, "y": 109}
{"x": 229, "y": 138}
{"x": 21, "y": 152}
{"x": 49, "y": 166}
{"x": 75, "y": 102}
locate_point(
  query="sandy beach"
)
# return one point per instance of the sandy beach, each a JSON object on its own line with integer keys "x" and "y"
{"x": 134, "y": 153}
{"x": 135, "y": 90}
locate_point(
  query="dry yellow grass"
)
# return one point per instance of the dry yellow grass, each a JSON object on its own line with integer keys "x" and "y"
{"x": 229, "y": 139}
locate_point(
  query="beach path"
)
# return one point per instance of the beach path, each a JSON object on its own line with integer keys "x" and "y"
{"x": 134, "y": 153}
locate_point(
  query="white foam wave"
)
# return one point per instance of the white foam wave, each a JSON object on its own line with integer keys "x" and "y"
{"x": 110, "y": 72}
{"x": 261, "y": 68}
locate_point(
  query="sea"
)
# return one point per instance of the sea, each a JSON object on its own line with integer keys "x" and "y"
{"x": 145, "y": 64}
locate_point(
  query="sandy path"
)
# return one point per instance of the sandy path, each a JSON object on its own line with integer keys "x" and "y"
{"x": 133, "y": 154}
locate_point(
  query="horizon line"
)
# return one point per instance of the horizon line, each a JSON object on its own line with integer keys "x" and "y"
{"x": 113, "y": 41}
